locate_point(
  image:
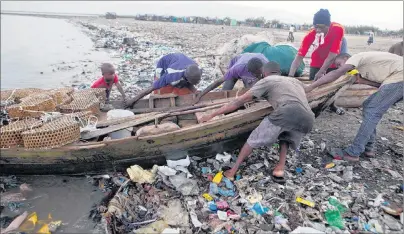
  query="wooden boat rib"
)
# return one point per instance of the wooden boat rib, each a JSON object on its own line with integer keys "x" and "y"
{"x": 224, "y": 134}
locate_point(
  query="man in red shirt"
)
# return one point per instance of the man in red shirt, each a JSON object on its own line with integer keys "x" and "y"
{"x": 326, "y": 37}
{"x": 108, "y": 79}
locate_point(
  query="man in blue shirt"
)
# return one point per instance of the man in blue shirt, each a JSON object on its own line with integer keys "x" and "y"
{"x": 175, "y": 73}
{"x": 246, "y": 67}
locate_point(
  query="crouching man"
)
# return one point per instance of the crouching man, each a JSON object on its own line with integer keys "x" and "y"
{"x": 291, "y": 119}
{"x": 379, "y": 69}
{"x": 176, "y": 73}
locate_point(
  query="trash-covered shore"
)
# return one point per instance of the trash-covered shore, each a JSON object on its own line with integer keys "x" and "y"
{"x": 320, "y": 195}
{"x": 138, "y": 46}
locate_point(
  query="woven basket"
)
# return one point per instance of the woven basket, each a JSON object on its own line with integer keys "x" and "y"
{"x": 37, "y": 102}
{"x": 10, "y": 135}
{"x": 54, "y": 134}
{"x": 82, "y": 101}
{"x": 66, "y": 90}
{"x": 98, "y": 92}
{"x": 5, "y": 94}
{"x": 17, "y": 94}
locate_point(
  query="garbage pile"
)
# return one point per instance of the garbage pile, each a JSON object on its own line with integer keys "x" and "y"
{"x": 192, "y": 195}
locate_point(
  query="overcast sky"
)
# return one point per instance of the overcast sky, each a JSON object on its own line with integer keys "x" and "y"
{"x": 382, "y": 14}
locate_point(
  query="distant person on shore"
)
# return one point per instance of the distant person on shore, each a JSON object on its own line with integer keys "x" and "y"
{"x": 397, "y": 49}
{"x": 291, "y": 119}
{"x": 175, "y": 73}
{"x": 246, "y": 67}
{"x": 327, "y": 38}
{"x": 371, "y": 36}
{"x": 291, "y": 38}
{"x": 108, "y": 79}
{"x": 379, "y": 69}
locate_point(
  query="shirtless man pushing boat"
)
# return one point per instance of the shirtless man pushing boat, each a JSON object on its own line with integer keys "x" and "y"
{"x": 291, "y": 119}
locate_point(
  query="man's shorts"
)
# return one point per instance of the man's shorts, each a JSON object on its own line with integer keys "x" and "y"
{"x": 267, "y": 134}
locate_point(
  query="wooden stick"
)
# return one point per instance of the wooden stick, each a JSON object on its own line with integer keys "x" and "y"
{"x": 103, "y": 131}
{"x": 107, "y": 123}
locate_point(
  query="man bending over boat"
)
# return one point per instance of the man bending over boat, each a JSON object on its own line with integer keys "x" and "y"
{"x": 290, "y": 120}
{"x": 175, "y": 73}
{"x": 108, "y": 79}
{"x": 379, "y": 69}
{"x": 247, "y": 67}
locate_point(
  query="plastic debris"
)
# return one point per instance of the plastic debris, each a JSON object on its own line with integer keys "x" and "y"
{"x": 222, "y": 205}
{"x": 184, "y": 185}
{"x": 167, "y": 171}
{"x": 228, "y": 183}
{"x": 207, "y": 197}
{"x": 305, "y": 202}
{"x": 334, "y": 218}
{"x": 348, "y": 174}
{"x": 218, "y": 177}
{"x": 174, "y": 215}
{"x": 139, "y": 175}
{"x": 334, "y": 201}
{"x": 330, "y": 165}
{"x": 259, "y": 209}
{"x": 225, "y": 157}
{"x": 222, "y": 215}
{"x": 306, "y": 230}
{"x": 179, "y": 163}
{"x": 194, "y": 220}
{"x": 299, "y": 170}
{"x": 206, "y": 170}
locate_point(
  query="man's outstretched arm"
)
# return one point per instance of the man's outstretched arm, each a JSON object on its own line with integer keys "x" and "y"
{"x": 143, "y": 93}
{"x": 230, "y": 107}
{"x": 330, "y": 77}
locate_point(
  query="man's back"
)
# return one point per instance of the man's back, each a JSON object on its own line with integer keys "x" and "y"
{"x": 378, "y": 66}
{"x": 279, "y": 90}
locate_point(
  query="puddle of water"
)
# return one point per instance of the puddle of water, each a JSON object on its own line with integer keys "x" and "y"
{"x": 69, "y": 199}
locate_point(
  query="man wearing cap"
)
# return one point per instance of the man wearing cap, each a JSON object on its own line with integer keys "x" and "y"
{"x": 247, "y": 67}
{"x": 379, "y": 69}
{"x": 327, "y": 38}
{"x": 175, "y": 73}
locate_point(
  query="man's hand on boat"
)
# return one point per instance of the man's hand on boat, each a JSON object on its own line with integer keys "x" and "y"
{"x": 205, "y": 118}
{"x": 308, "y": 88}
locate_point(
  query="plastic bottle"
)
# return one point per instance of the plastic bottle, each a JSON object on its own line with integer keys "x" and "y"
{"x": 218, "y": 177}
{"x": 334, "y": 218}
{"x": 259, "y": 209}
{"x": 334, "y": 201}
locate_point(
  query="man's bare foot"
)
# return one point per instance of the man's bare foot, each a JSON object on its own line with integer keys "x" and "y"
{"x": 229, "y": 174}
{"x": 278, "y": 171}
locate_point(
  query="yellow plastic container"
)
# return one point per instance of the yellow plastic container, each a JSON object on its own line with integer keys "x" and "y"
{"x": 207, "y": 196}
{"x": 218, "y": 177}
{"x": 305, "y": 202}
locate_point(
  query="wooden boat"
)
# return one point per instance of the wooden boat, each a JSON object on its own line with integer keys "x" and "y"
{"x": 224, "y": 134}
